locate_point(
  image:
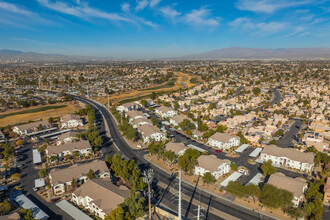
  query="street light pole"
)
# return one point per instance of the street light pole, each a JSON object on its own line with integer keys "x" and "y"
{"x": 179, "y": 211}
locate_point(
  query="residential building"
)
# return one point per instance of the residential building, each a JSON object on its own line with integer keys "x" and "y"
{"x": 151, "y": 132}
{"x": 177, "y": 148}
{"x": 129, "y": 106}
{"x": 212, "y": 164}
{"x": 99, "y": 196}
{"x": 288, "y": 157}
{"x": 71, "y": 121}
{"x": 141, "y": 121}
{"x": 177, "y": 119}
{"x": 82, "y": 147}
{"x": 165, "y": 112}
{"x": 31, "y": 127}
{"x": 197, "y": 134}
{"x": 67, "y": 137}
{"x": 326, "y": 189}
{"x": 223, "y": 140}
{"x": 133, "y": 115}
{"x": 297, "y": 186}
{"x": 60, "y": 178}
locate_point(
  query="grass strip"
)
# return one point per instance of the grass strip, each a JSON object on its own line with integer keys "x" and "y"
{"x": 45, "y": 108}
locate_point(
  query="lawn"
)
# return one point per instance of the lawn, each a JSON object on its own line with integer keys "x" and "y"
{"x": 45, "y": 108}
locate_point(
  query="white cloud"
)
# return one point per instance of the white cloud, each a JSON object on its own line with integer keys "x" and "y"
{"x": 141, "y": 4}
{"x": 82, "y": 11}
{"x": 268, "y": 6}
{"x": 199, "y": 17}
{"x": 262, "y": 28}
{"x": 125, "y": 7}
{"x": 153, "y": 3}
{"x": 169, "y": 12}
{"x": 13, "y": 8}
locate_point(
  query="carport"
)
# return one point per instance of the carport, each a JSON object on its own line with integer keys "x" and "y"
{"x": 256, "y": 152}
{"x": 242, "y": 148}
{"x": 233, "y": 177}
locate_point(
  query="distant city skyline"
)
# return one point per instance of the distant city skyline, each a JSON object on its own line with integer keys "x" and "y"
{"x": 160, "y": 28}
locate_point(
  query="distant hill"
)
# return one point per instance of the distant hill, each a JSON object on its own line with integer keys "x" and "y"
{"x": 252, "y": 53}
{"x": 19, "y": 56}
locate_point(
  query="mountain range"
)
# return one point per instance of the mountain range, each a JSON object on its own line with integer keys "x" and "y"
{"x": 232, "y": 53}
{"x": 16, "y": 55}
{"x": 253, "y": 53}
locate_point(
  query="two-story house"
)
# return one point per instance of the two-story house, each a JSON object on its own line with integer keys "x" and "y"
{"x": 60, "y": 178}
{"x": 223, "y": 140}
{"x": 71, "y": 121}
{"x": 212, "y": 164}
{"x": 100, "y": 196}
{"x": 297, "y": 186}
{"x": 82, "y": 147}
{"x": 288, "y": 157}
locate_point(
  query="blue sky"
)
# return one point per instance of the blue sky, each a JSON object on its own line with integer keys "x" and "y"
{"x": 161, "y": 28}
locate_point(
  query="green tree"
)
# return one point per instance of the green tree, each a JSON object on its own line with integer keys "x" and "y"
{"x": 252, "y": 190}
{"x": 75, "y": 154}
{"x": 170, "y": 157}
{"x": 235, "y": 188}
{"x": 116, "y": 214}
{"x": 243, "y": 140}
{"x": 144, "y": 102}
{"x": 43, "y": 172}
{"x": 5, "y": 207}
{"x": 136, "y": 205}
{"x": 221, "y": 128}
{"x": 273, "y": 142}
{"x": 40, "y": 127}
{"x": 273, "y": 197}
{"x": 74, "y": 183}
{"x": 153, "y": 95}
{"x": 280, "y": 133}
{"x": 176, "y": 105}
{"x": 26, "y": 214}
{"x": 267, "y": 168}
{"x": 188, "y": 160}
{"x": 208, "y": 178}
{"x": 91, "y": 174}
{"x": 234, "y": 166}
{"x": 187, "y": 124}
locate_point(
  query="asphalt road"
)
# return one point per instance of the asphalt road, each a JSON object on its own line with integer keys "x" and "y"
{"x": 188, "y": 209}
{"x": 276, "y": 97}
{"x": 287, "y": 140}
{"x": 28, "y": 175}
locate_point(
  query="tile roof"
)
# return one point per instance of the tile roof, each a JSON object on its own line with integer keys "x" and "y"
{"x": 68, "y": 147}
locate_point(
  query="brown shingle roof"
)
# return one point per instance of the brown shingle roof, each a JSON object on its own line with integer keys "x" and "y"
{"x": 165, "y": 109}
{"x": 175, "y": 147}
{"x": 147, "y": 130}
{"x": 294, "y": 185}
{"x": 32, "y": 125}
{"x": 135, "y": 113}
{"x": 69, "y": 117}
{"x": 105, "y": 194}
{"x": 70, "y": 146}
{"x": 67, "y": 134}
{"x": 289, "y": 153}
{"x": 210, "y": 162}
{"x": 223, "y": 137}
{"x": 77, "y": 171}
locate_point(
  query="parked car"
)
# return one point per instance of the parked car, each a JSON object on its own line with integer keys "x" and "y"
{"x": 218, "y": 151}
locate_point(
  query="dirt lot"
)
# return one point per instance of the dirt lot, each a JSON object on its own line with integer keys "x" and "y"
{"x": 70, "y": 108}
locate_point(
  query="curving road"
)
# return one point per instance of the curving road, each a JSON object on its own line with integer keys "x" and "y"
{"x": 191, "y": 195}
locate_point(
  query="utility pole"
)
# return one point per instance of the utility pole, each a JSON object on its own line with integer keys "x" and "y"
{"x": 148, "y": 176}
{"x": 108, "y": 101}
{"x": 198, "y": 212}
{"x": 179, "y": 211}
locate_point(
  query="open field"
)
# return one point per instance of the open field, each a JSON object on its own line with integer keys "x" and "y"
{"x": 34, "y": 114}
{"x": 34, "y": 110}
{"x": 181, "y": 80}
